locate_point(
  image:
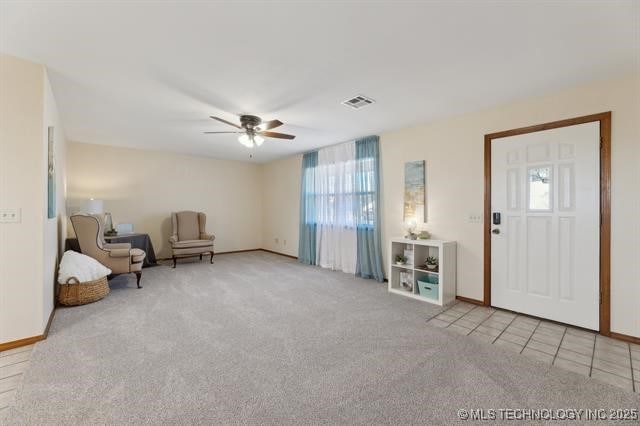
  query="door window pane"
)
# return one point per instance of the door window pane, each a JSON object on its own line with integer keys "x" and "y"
{"x": 539, "y": 190}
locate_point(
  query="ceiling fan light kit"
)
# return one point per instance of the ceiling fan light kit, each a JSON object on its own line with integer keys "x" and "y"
{"x": 250, "y": 140}
{"x": 253, "y": 130}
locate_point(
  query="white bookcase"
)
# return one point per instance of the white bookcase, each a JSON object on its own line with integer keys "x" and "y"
{"x": 439, "y": 285}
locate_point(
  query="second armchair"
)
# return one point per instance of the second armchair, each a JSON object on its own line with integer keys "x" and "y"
{"x": 189, "y": 237}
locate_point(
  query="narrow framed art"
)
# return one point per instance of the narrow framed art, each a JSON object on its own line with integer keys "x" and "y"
{"x": 51, "y": 175}
{"x": 415, "y": 195}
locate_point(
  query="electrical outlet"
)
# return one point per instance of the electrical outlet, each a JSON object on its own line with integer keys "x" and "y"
{"x": 474, "y": 218}
{"x": 276, "y": 240}
{"x": 10, "y": 216}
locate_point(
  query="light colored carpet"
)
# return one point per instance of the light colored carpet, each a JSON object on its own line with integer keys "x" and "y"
{"x": 258, "y": 338}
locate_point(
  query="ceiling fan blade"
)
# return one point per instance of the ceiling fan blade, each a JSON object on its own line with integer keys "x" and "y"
{"x": 226, "y": 122}
{"x": 210, "y": 133}
{"x": 276, "y": 135}
{"x": 269, "y": 125}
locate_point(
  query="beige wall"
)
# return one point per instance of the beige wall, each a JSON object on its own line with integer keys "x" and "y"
{"x": 453, "y": 150}
{"x": 28, "y": 249}
{"x": 281, "y": 204}
{"x": 55, "y": 228}
{"x": 143, "y": 187}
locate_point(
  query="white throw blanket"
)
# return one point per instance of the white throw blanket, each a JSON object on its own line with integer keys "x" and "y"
{"x": 82, "y": 267}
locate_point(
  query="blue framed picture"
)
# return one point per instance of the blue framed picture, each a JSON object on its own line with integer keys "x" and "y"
{"x": 415, "y": 200}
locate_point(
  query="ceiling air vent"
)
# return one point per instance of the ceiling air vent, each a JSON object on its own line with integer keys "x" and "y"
{"x": 358, "y": 102}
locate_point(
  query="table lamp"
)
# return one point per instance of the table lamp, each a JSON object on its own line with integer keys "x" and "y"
{"x": 95, "y": 206}
{"x": 108, "y": 225}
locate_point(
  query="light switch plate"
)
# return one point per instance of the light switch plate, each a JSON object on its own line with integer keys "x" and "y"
{"x": 475, "y": 218}
{"x": 10, "y": 216}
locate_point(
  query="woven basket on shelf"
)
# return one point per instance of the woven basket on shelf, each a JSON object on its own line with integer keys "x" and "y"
{"x": 77, "y": 293}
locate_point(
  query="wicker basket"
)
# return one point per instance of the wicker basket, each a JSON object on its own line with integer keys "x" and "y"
{"x": 77, "y": 293}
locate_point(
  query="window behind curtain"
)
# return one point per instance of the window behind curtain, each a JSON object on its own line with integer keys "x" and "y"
{"x": 342, "y": 194}
{"x": 339, "y": 218}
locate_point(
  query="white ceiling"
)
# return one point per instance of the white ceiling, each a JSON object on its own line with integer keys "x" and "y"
{"x": 148, "y": 74}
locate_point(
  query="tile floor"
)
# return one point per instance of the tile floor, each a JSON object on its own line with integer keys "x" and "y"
{"x": 581, "y": 351}
{"x": 13, "y": 363}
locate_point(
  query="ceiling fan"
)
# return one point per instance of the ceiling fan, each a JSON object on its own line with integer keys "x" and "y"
{"x": 253, "y": 130}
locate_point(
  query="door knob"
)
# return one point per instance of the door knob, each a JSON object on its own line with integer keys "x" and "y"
{"x": 495, "y": 231}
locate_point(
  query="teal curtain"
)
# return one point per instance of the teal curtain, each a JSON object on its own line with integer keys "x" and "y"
{"x": 367, "y": 209}
{"x": 308, "y": 214}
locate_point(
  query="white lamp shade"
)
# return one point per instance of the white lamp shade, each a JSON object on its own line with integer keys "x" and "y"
{"x": 245, "y": 140}
{"x": 95, "y": 206}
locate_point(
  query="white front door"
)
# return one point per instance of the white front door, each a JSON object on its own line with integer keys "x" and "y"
{"x": 545, "y": 249}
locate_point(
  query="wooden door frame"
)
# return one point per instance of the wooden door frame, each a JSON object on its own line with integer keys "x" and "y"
{"x": 604, "y": 119}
